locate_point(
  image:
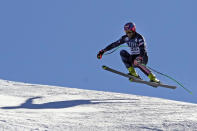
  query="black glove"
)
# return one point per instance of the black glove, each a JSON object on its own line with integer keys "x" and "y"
{"x": 100, "y": 54}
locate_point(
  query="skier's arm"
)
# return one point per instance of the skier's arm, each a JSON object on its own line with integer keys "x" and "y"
{"x": 142, "y": 50}
{"x": 111, "y": 46}
{"x": 139, "y": 59}
{"x": 115, "y": 44}
{"x": 142, "y": 47}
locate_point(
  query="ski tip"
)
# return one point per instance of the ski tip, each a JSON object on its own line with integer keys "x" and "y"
{"x": 104, "y": 67}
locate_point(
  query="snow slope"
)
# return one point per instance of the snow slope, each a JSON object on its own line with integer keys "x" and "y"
{"x": 41, "y": 107}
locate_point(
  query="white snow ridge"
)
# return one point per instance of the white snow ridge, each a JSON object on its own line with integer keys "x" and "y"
{"x": 28, "y": 107}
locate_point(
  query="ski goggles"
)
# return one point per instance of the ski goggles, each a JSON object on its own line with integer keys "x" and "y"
{"x": 129, "y": 32}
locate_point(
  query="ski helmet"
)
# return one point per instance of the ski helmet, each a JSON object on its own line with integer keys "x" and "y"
{"x": 130, "y": 27}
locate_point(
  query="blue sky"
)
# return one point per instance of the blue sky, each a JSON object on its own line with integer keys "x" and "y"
{"x": 56, "y": 42}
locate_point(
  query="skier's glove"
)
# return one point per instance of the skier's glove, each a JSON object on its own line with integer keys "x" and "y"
{"x": 100, "y": 54}
{"x": 138, "y": 60}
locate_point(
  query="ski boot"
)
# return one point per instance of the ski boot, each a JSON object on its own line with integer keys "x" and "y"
{"x": 132, "y": 72}
{"x": 152, "y": 78}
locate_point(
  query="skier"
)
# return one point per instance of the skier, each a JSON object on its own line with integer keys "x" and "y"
{"x": 138, "y": 54}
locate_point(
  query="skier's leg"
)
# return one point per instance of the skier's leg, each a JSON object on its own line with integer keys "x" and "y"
{"x": 125, "y": 56}
{"x": 146, "y": 71}
{"x": 128, "y": 60}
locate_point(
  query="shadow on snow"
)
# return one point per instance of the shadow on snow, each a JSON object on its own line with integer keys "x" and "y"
{"x": 28, "y": 104}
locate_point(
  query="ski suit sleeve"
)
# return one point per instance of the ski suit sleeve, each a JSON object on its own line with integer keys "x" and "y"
{"x": 142, "y": 46}
{"x": 115, "y": 44}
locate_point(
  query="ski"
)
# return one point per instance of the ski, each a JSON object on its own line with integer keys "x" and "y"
{"x": 134, "y": 79}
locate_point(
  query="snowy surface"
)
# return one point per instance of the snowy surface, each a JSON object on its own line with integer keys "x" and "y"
{"x": 41, "y": 107}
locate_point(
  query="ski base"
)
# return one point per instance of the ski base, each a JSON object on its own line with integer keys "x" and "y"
{"x": 134, "y": 79}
